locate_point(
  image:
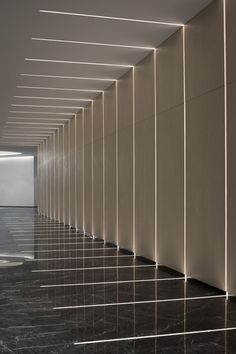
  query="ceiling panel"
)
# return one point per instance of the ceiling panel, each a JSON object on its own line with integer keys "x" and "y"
{"x": 22, "y": 20}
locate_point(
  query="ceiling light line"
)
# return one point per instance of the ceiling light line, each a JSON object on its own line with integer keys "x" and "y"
{"x": 69, "y": 77}
{"x": 43, "y": 106}
{"x": 54, "y": 113}
{"x": 33, "y": 123}
{"x": 57, "y": 88}
{"x": 77, "y": 62}
{"x": 92, "y": 43}
{"x": 112, "y": 18}
{"x": 53, "y": 98}
{"x": 41, "y": 119}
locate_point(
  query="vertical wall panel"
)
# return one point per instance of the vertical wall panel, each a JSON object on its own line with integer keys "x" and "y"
{"x": 87, "y": 170}
{"x": 110, "y": 163}
{"x": 98, "y": 167}
{"x": 71, "y": 157}
{"x": 205, "y": 146}
{"x": 145, "y": 158}
{"x": 231, "y": 110}
{"x": 61, "y": 173}
{"x": 170, "y": 153}
{"x": 56, "y": 189}
{"x": 125, "y": 161}
{"x": 80, "y": 171}
{"x": 66, "y": 167}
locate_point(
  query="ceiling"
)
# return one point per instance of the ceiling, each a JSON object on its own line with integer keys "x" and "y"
{"x": 48, "y": 74}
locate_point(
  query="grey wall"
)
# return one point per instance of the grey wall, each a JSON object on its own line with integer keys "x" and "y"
{"x": 17, "y": 181}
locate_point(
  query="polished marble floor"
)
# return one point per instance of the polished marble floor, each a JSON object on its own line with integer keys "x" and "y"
{"x": 64, "y": 292}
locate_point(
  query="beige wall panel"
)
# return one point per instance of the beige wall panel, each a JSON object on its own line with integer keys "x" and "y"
{"x": 61, "y": 173}
{"x": 98, "y": 118}
{"x": 170, "y": 152}
{"x": 144, "y": 89}
{"x": 204, "y": 50}
{"x": 98, "y": 188}
{"x": 98, "y": 167}
{"x": 110, "y": 164}
{"x": 87, "y": 125}
{"x": 72, "y": 199}
{"x": 205, "y": 188}
{"x": 170, "y": 190}
{"x": 232, "y": 188}
{"x": 110, "y": 110}
{"x": 88, "y": 188}
{"x": 169, "y": 60}
{"x": 125, "y": 187}
{"x": 47, "y": 178}
{"x": 110, "y": 188}
{"x": 145, "y": 158}
{"x": 125, "y": 160}
{"x": 80, "y": 172}
{"x": 231, "y": 89}
{"x": 66, "y": 174}
{"x": 125, "y": 100}
{"x": 231, "y": 42}
{"x": 56, "y": 198}
{"x": 145, "y": 187}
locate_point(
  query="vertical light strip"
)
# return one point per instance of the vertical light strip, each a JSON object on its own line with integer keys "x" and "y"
{"x": 117, "y": 170}
{"x": 69, "y": 171}
{"x": 155, "y": 153}
{"x": 226, "y": 147}
{"x": 92, "y": 168}
{"x": 134, "y": 228}
{"x": 185, "y": 155}
{"x": 103, "y": 168}
{"x": 63, "y": 173}
{"x": 83, "y": 170}
{"x": 54, "y": 174}
{"x": 76, "y": 173}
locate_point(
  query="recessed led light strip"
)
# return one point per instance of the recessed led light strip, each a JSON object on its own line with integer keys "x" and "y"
{"x": 91, "y": 43}
{"x": 70, "y": 258}
{"x": 77, "y": 62}
{"x": 57, "y": 243}
{"x": 57, "y": 89}
{"x": 44, "y": 106}
{"x": 69, "y": 77}
{"x": 139, "y": 302}
{"x": 90, "y": 268}
{"x": 111, "y": 282}
{"x": 53, "y": 98}
{"x": 156, "y": 336}
{"x": 73, "y": 250}
{"x": 112, "y": 18}
{"x": 53, "y": 113}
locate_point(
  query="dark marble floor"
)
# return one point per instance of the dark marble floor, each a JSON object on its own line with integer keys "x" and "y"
{"x": 62, "y": 292}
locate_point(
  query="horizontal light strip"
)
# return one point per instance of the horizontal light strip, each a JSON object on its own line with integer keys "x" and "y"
{"x": 87, "y": 257}
{"x": 113, "y": 18}
{"x": 139, "y": 302}
{"x": 156, "y": 336}
{"x": 33, "y": 123}
{"x": 92, "y": 43}
{"x": 74, "y": 250}
{"x": 92, "y": 268}
{"x": 111, "y": 282}
{"x": 56, "y": 89}
{"x": 54, "y": 113}
{"x": 69, "y": 77}
{"x": 40, "y": 118}
{"x": 54, "y": 98}
{"x": 43, "y": 106}
{"x": 58, "y": 243}
{"x": 78, "y": 62}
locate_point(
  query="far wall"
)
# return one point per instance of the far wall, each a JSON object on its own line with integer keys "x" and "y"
{"x": 17, "y": 181}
